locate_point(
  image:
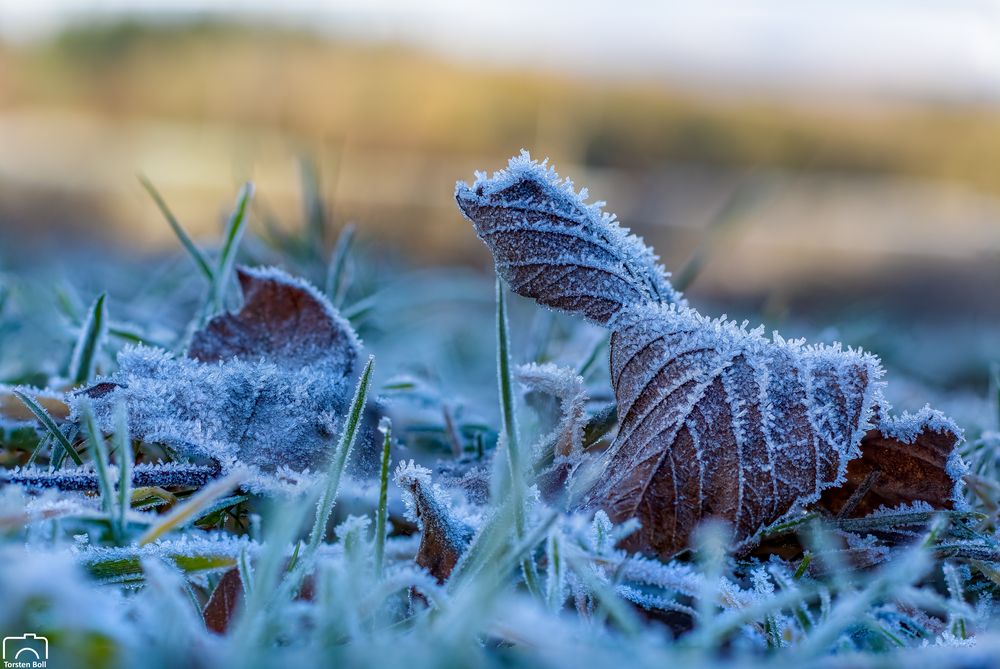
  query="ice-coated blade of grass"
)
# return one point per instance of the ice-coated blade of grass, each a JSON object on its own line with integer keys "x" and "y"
{"x": 88, "y": 343}
{"x": 312, "y": 205}
{"x": 339, "y": 459}
{"x": 588, "y": 363}
{"x": 509, "y": 419}
{"x": 99, "y": 454}
{"x": 336, "y": 284}
{"x": 246, "y": 572}
{"x": 196, "y": 255}
{"x": 50, "y": 425}
{"x": 230, "y": 244}
{"x": 122, "y": 446}
{"x": 554, "y": 583}
{"x": 385, "y": 426}
{"x": 193, "y": 507}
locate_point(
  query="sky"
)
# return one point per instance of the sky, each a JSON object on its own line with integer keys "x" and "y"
{"x": 947, "y": 49}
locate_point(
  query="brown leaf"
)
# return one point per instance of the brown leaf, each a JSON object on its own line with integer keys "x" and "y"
{"x": 443, "y": 538}
{"x": 915, "y": 460}
{"x": 714, "y": 420}
{"x": 550, "y": 245}
{"x": 283, "y": 321}
{"x": 717, "y": 421}
{"x": 224, "y": 602}
{"x": 266, "y": 386}
{"x": 13, "y": 410}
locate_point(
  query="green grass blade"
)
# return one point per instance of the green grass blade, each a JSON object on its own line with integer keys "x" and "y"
{"x": 246, "y": 572}
{"x": 383, "y": 498}
{"x": 227, "y": 257}
{"x": 185, "y": 240}
{"x": 509, "y": 416}
{"x": 99, "y": 454}
{"x": 122, "y": 446}
{"x": 88, "y": 344}
{"x": 42, "y": 444}
{"x": 339, "y": 460}
{"x": 312, "y": 204}
{"x": 50, "y": 425}
{"x": 335, "y": 283}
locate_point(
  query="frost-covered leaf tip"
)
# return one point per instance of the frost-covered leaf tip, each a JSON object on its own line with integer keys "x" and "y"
{"x": 549, "y": 244}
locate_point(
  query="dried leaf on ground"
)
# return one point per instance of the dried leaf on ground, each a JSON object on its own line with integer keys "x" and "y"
{"x": 264, "y": 386}
{"x": 715, "y": 420}
{"x": 443, "y": 536}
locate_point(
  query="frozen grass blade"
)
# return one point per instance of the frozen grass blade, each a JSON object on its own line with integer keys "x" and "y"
{"x": 185, "y": 240}
{"x": 509, "y": 417}
{"x": 123, "y": 448}
{"x": 336, "y": 285}
{"x": 385, "y": 426}
{"x": 193, "y": 507}
{"x": 46, "y": 420}
{"x": 88, "y": 344}
{"x": 312, "y": 203}
{"x": 339, "y": 460}
{"x": 99, "y": 454}
{"x": 246, "y": 572}
{"x": 227, "y": 257}
{"x": 588, "y": 364}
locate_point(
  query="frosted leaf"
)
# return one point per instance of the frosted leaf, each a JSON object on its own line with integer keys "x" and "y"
{"x": 443, "y": 536}
{"x": 910, "y": 459}
{"x": 265, "y": 386}
{"x": 282, "y": 320}
{"x": 549, "y": 244}
{"x": 716, "y": 420}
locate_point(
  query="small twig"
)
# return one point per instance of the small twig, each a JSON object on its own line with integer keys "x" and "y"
{"x": 449, "y": 429}
{"x": 859, "y": 493}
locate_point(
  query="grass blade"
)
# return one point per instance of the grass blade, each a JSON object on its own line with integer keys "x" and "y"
{"x": 50, "y": 425}
{"x": 335, "y": 284}
{"x": 312, "y": 203}
{"x": 185, "y": 240}
{"x": 234, "y": 234}
{"x": 122, "y": 446}
{"x": 383, "y": 498}
{"x": 92, "y": 335}
{"x": 339, "y": 460}
{"x": 510, "y": 433}
{"x": 99, "y": 454}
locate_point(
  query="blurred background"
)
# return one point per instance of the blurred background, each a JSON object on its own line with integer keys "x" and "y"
{"x": 830, "y": 166}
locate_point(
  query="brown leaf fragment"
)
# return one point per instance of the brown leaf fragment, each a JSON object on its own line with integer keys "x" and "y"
{"x": 443, "y": 537}
{"x": 13, "y": 410}
{"x": 549, "y": 244}
{"x": 916, "y": 461}
{"x": 282, "y": 320}
{"x": 224, "y": 602}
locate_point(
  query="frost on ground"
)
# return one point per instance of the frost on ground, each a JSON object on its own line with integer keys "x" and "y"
{"x": 745, "y": 500}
